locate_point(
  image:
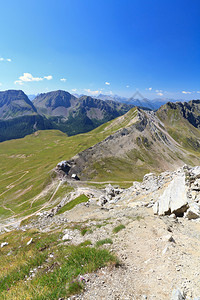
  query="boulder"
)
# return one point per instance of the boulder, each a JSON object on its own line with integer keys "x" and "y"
{"x": 66, "y": 237}
{"x": 110, "y": 191}
{"x": 102, "y": 200}
{"x": 193, "y": 211}
{"x": 195, "y": 172}
{"x": 177, "y": 295}
{"x": 174, "y": 198}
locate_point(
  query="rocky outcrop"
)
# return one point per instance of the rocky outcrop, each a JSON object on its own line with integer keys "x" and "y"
{"x": 182, "y": 196}
{"x": 174, "y": 199}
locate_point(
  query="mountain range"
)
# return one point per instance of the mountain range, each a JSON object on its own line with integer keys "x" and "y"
{"x": 45, "y": 210}
{"x": 54, "y": 110}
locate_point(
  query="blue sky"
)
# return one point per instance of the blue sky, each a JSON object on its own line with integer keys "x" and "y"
{"x": 101, "y": 46}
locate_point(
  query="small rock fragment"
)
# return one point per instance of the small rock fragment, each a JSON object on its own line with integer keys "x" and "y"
{"x": 4, "y": 244}
{"x": 29, "y": 242}
{"x": 177, "y": 295}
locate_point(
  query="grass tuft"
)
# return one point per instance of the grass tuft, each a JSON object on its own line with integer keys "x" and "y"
{"x": 103, "y": 242}
{"x": 80, "y": 199}
{"x": 118, "y": 228}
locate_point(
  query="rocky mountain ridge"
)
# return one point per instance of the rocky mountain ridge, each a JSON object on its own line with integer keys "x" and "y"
{"x": 59, "y": 110}
{"x": 14, "y": 104}
{"x": 144, "y": 144}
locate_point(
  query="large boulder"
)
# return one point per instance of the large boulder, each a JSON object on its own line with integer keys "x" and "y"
{"x": 174, "y": 198}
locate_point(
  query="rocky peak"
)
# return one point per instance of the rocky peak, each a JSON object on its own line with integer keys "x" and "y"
{"x": 14, "y": 103}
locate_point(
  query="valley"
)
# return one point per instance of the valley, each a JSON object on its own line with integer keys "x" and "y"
{"x": 99, "y": 212}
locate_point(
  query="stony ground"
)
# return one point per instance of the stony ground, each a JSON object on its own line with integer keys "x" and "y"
{"x": 157, "y": 255}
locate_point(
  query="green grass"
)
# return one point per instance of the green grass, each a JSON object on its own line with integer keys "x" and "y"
{"x": 26, "y": 164}
{"x": 85, "y": 243}
{"x": 118, "y": 228}
{"x": 85, "y": 229}
{"x": 80, "y": 199}
{"x": 103, "y": 242}
{"x": 58, "y": 277}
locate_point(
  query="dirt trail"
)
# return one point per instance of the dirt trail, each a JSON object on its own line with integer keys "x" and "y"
{"x": 24, "y": 218}
{"x": 152, "y": 266}
{"x": 11, "y": 185}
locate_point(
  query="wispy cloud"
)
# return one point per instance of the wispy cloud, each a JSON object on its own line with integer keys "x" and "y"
{"x": 198, "y": 92}
{"x": 127, "y": 86}
{"x": 0, "y": 84}
{"x": 27, "y": 77}
{"x": 184, "y": 92}
{"x": 5, "y": 59}
{"x": 150, "y": 88}
{"x": 63, "y": 79}
{"x": 92, "y": 92}
{"x": 107, "y": 83}
{"x": 160, "y": 94}
{"x": 73, "y": 90}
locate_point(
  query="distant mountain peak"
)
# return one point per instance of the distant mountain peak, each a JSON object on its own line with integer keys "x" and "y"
{"x": 15, "y": 103}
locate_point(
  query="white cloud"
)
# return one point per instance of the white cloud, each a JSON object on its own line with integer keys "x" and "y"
{"x": 160, "y": 94}
{"x": 27, "y": 77}
{"x": 0, "y": 84}
{"x": 150, "y": 88}
{"x": 107, "y": 83}
{"x": 198, "y": 92}
{"x": 18, "y": 82}
{"x": 184, "y": 92}
{"x": 63, "y": 79}
{"x": 49, "y": 77}
{"x": 127, "y": 86}
{"x": 5, "y": 59}
{"x": 91, "y": 92}
{"x": 73, "y": 90}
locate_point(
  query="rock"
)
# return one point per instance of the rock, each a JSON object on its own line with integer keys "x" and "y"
{"x": 64, "y": 166}
{"x": 29, "y": 242}
{"x": 102, "y": 200}
{"x": 193, "y": 211}
{"x": 66, "y": 237}
{"x": 4, "y": 244}
{"x": 173, "y": 216}
{"x": 110, "y": 191}
{"x": 177, "y": 295}
{"x": 74, "y": 176}
{"x": 165, "y": 250}
{"x": 156, "y": 208}
{"x": 195, "y": 172}
{"x": 168, "y": 238}
{"x": 150, "y": 182}
{"x": 174, "y": 199}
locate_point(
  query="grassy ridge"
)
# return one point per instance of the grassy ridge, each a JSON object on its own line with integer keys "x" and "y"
{"x": 26, "y": 164}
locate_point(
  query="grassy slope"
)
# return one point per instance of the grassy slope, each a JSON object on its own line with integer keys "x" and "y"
{"x": 180, "y": 129}
{"x": 26, "y": 164}
{"x": 58, "y": 277}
